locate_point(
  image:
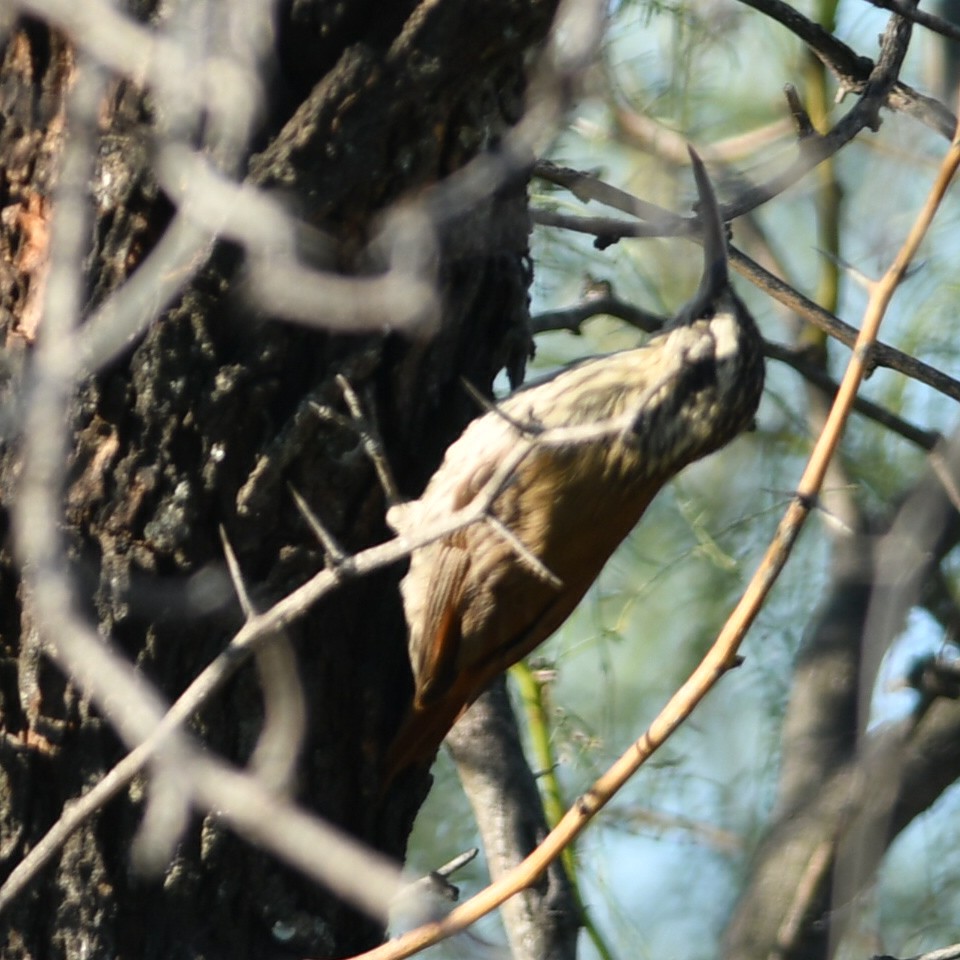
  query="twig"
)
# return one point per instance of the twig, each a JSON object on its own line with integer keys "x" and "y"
{"x": 334, "y": 554}
{"x": 798, "y": 361}
{"x": 722, "y": 654}
{"x": 586, "y": 187}
{"x": 262, "y": 626}
{"x": 572, "y": 319}
{"x": 852, "y": 70}
{"x": 370, "y": 437}
{"x": 881, "y": 354}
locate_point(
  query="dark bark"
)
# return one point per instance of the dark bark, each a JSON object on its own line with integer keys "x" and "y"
{"x": 207, "y": 420}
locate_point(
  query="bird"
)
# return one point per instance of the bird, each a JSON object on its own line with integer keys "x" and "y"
{"x": 560, "y": 472}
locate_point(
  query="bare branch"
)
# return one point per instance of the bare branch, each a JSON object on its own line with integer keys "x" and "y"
{"x": 722, "y": 654}
{"x": 853, "y": 72}
{"x": 882, "y": 354}
{"x": 542, "y": 922}
{"x": 572, "y": 319}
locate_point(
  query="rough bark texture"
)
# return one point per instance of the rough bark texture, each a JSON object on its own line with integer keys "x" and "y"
{"x": 205, "y": 423}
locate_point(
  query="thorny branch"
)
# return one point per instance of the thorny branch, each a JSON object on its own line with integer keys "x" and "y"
{"x": 157, "y": 732}
{"x": 723, "y": 653}
{"x": 812, "y": 150}
{"x": 573, "y": 318}
{"x": 853, "y": 71}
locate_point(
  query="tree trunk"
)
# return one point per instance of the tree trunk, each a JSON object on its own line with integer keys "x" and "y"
{"x": 207, "y": 422}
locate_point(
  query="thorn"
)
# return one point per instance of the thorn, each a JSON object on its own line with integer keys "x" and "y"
{"x": 524, "y": 552}
{"x": 529, "y": 429}
{"x": 801, "y": 119}
{"x": 812, "y": 503}
{"x": 236, "y": 576}
{"x": 457, "y": 863}
{"x": 334, "y": 554}
{"x": 371, "y": 440}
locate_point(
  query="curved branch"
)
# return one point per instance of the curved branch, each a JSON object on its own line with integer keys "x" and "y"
{"x": 853, "y": 71}
{"x": 921, "y": 17}
{"x": 610, "y": 230}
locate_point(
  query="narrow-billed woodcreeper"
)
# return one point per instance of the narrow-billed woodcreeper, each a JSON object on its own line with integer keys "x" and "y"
{"x": 480, "y": 599}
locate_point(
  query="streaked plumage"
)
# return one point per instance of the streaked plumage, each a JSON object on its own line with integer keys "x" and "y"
{"x": 473, "y": 603}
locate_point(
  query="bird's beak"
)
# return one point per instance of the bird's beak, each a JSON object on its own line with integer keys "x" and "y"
{"x": 715, "y": 276}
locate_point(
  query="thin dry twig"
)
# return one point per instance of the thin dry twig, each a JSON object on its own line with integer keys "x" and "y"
{"x": 153, "y": 736}
{"x": 722, "y": 654}
{"x": 853, "y": 71}
{"x": 882, "y": 354}
{"x": 572, "y": 319}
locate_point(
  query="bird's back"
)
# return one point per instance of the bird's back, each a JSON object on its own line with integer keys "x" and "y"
{"x": 566, "y": 468}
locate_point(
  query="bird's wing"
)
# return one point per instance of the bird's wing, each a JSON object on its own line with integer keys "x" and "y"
{"x": 435, "y": 650}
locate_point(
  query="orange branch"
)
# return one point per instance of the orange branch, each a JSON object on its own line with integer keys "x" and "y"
{"x": 721, "y": 655}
